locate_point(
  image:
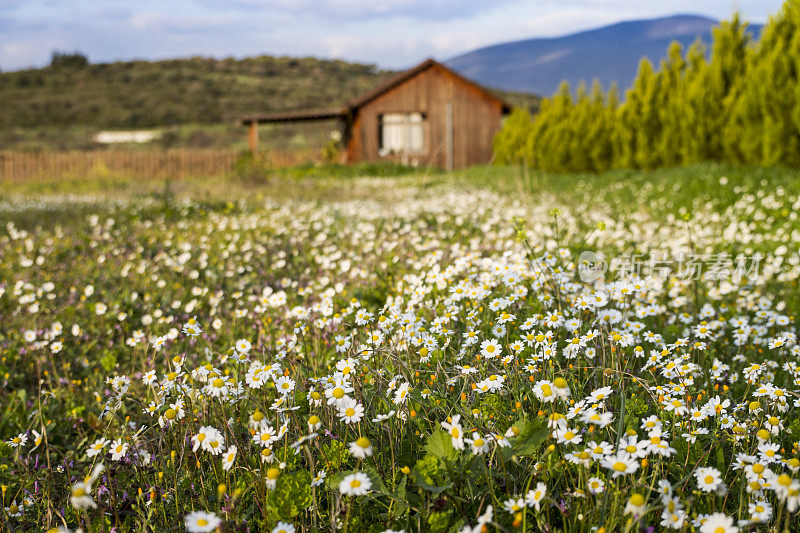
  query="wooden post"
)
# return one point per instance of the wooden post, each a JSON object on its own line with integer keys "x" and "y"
{"x": 448, "y": 137}
{"x": 252, "y": 136}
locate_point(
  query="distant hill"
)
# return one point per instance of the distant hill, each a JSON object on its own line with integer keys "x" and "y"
{"x": 611, "y": 53}
{"x": 143, "y": 94}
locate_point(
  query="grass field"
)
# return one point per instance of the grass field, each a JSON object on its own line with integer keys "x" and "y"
{"x": 327, "y": 348}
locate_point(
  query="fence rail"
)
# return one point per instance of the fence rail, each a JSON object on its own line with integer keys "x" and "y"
{"x": 16, "y": 167}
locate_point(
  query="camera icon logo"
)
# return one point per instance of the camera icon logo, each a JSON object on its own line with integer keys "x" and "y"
{"x": 592, "y": 266}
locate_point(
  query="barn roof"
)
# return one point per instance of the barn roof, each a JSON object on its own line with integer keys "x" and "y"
{"x": 369, "y": 96}
{"x": 296, "y": 116}
{"x": 401, "y": 77}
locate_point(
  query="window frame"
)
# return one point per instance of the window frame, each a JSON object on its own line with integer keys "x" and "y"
{"x": 407, "y": 124}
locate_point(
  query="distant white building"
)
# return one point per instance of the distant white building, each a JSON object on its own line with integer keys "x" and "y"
{"x": 116, "y": 137}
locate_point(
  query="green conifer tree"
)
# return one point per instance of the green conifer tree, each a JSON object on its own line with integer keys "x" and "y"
{"x": 669, "y": 108}
{"x": 766, "y": 114}
{"x": 551, "y": 130}
{"x": 511, "y": 141}
{"x": 718, "y": 87}
{"x": 578, "y": 136}
{"x": 601, "y": 111}
{"x": 696, "y": 106}
{"x": 639, "y": 117}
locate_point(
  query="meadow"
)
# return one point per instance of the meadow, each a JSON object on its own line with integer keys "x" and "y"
{"x": 319, "y": 350}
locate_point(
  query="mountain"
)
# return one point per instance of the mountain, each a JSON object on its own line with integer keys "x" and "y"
{"x": 608, "y": 54}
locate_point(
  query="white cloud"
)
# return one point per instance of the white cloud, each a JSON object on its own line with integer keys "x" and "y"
{"x": 391, "y": 33}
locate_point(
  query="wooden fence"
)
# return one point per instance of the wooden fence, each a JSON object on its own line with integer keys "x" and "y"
{"x": 16, "y": 167}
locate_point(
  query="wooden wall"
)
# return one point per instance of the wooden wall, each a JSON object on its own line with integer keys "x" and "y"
{"x": 476, "y": 119}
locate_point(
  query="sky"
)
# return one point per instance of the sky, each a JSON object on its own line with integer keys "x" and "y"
{"x": 390, "y": 33}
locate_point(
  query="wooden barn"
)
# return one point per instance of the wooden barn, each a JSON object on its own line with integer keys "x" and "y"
{"x": 427, "y": 115}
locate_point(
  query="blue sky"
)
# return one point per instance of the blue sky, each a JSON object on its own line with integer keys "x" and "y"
{"x": 390, "y": 33}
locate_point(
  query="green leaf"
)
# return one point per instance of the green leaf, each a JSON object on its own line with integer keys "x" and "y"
{"x": 292, "y": 494}
{"x": 399, "y": 495}
{"x": 430, "y": 488}
{"x": 377, "y": 481}
{"x": 531, "y": 435}
{"x": 440, "y": 444}
{"x": 721, "y": 459}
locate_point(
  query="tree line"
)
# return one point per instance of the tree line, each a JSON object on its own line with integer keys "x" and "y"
{"x": 740, "y": 105}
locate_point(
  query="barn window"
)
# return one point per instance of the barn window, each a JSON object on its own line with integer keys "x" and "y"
{"x": 401, "y": 133}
